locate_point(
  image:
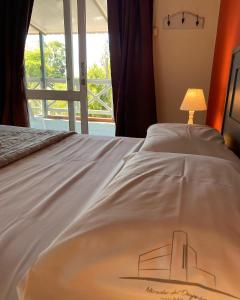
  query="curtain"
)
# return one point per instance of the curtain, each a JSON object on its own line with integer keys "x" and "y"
{"x": 14, "y": 22}
{"x": 131, "y": 55}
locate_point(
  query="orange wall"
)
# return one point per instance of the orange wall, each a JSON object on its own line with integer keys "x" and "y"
{"x": 228, "y": 38}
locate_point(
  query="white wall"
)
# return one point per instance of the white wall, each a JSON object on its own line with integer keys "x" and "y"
{"x": 183, "y": 58}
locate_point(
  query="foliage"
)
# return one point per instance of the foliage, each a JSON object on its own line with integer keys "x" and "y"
{"x": 55, "y": 59}
{"x": 55, "y": 67}
{"x": 98, "y": 72}
{"x": 55, "y": 62}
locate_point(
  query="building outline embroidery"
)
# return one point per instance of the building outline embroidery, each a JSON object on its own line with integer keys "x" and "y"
{"x": 176, "y": 263}
{"x": 181, "y": 263}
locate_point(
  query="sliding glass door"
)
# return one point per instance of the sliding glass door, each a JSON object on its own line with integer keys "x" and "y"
{"x": 63, "y": 93}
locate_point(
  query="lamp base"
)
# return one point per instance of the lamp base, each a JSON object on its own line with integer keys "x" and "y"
{"x": 191, "y": 116}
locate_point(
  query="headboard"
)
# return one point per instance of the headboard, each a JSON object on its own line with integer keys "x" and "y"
{"x": 231, "y": 121}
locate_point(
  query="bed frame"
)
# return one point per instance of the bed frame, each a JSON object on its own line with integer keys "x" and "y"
{"x": 231, "y": 121}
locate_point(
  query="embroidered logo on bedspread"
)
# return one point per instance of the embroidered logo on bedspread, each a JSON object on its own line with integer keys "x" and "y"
{"x": 176, "y": 263}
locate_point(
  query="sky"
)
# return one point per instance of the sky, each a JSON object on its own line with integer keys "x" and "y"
{"x": 96, "y": 44}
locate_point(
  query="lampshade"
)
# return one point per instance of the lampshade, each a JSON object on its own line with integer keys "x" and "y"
{"x": 194, "y": 100}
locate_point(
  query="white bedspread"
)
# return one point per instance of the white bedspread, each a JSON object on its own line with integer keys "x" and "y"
{"x": 165, "y": 228}
{"x": 18, "y": 142}
{"x": 41, "y": 194}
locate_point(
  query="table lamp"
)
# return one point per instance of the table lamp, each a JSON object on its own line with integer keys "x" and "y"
{"x": 194, "y": 100}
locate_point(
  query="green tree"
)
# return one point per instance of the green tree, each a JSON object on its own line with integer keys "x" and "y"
{"x": 55, "y": 62}
{"x": 55, "y": 67}
{"x": 33, "y": 63}
{"x": 100, "y": 71}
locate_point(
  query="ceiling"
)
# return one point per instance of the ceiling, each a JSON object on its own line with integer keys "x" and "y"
{"x": 47, "y": 16}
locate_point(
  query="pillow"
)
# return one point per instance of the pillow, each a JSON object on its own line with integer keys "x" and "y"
{"x": 188, "y": 139}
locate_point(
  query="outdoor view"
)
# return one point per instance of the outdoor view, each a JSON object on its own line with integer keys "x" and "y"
{"x": 45, "y": 66}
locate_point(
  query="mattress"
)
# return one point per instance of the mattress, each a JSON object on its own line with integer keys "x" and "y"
{"x": 120, "y": 218}
{"x": 41, "y": 194}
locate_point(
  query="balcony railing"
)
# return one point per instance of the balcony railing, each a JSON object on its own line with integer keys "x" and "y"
{"x": 46, "y": 109}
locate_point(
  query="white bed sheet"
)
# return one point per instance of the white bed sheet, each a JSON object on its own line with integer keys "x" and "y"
{"x": 166, "y": 227}
{"x": 41, "y": 194}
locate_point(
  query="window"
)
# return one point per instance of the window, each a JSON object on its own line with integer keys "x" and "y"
{"x": 68, "y": 67}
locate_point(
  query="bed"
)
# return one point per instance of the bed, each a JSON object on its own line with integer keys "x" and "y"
{"x": 120, "y": 218}
{"x": 46, "y": 180}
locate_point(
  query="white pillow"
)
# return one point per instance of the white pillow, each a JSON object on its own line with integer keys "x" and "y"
{"x": 189, "y": 139}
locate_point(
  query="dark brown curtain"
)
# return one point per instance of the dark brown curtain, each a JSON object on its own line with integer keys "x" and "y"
{"x": 131, "y": 53}
{"x": 14, "y": 22}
